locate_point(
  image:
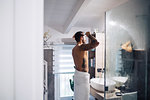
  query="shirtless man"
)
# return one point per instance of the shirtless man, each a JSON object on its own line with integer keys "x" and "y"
{"x": 79, "y": 52}
{"x": 80, "y": 56}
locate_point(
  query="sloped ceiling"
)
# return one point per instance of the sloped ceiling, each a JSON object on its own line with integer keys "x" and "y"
{"x": 62, "y": 15}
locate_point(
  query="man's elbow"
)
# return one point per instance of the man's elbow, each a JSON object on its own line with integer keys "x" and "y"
{"x": 97, "y": 43}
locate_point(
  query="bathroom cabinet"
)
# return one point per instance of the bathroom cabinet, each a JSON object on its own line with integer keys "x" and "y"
{"x": 48, "y": 57}
{"x": 92, "y": 63}
{"x": 100, "y": 95}
{"x": 91, "y": 58}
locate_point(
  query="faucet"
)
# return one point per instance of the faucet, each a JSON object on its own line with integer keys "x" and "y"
{"x": 102, "y": 74}
{"x": 102, "y": 71}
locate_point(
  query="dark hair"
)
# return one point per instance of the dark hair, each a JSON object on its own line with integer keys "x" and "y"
{"x": 78, "y": 35}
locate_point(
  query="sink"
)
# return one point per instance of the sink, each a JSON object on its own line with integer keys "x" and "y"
{"x": 119, "y": 80}
{"x": 98, "y": 84}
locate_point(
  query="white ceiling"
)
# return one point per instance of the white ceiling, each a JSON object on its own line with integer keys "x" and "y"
{"x": 62, "y": 15}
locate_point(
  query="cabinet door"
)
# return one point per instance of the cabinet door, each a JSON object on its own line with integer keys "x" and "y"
{"x": 48, "y": 57}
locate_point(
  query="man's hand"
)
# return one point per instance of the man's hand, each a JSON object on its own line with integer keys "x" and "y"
{"x": 87, "y": 33}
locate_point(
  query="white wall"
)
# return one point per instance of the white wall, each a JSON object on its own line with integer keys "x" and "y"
{"x": 100, "y": 50}
{"x": 21, "y": 55}
{"x": 6, "y": 50}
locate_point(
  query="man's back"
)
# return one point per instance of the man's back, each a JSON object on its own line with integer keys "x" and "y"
{"x": 80, "y": 59}
{"x": 80, "y": 54}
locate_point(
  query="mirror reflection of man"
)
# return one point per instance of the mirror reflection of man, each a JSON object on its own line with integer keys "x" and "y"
{"x": 80, "y": 56}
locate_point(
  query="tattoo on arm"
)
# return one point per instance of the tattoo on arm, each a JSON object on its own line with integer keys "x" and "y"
{"x": 83, "y": 64}
{"x": 90, "y": 45}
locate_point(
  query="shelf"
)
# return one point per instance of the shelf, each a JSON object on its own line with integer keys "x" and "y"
{"x": 91, "y": 54}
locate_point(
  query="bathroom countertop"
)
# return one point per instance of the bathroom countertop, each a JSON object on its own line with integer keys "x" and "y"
{"x": 100, "y": 95}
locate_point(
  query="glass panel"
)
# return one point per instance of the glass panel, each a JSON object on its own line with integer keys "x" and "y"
{"x": 127, "y": 47}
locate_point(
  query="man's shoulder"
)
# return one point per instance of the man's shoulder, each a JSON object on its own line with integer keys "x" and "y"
{"x": 76, "y": 48}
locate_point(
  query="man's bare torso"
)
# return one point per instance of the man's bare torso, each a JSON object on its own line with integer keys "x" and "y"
{"x": 80, "y": 55}
{"x": 80, "y": 59}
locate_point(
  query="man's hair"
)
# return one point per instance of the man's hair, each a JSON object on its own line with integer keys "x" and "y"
{"x": 78, "y": 35}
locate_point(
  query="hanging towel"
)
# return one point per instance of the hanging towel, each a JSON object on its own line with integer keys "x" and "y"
{"x": 81, "y": 85}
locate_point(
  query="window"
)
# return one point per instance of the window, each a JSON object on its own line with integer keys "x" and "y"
{"x": 63, "y": 70}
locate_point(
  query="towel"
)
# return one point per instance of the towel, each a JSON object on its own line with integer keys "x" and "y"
{"x": 81, "y": 85}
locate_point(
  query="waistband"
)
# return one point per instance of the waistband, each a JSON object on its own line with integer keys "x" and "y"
{"x": 81, "y": 73}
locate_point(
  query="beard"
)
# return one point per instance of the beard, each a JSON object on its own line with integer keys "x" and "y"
{"x": 83, "y": 41}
